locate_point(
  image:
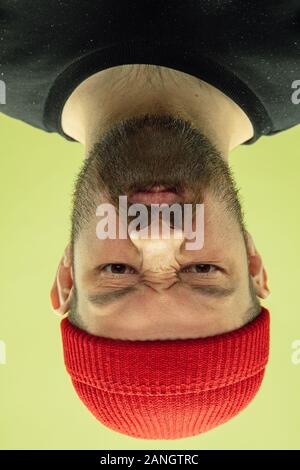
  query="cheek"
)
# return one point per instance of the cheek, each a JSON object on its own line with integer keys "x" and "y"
{"x": 220, "y": 226}
{"x": 90, "y": 251}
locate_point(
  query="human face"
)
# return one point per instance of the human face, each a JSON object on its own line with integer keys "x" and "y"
{"x": 149, "y": 289}
{"x": 146, "y": 289}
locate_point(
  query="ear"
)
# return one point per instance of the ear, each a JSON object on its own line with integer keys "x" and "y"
{"x": 256, "y": 269}
{"x": 62, "y": 288}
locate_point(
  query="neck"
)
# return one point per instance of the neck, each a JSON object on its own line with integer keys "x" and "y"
{"x": 129, "y": 90}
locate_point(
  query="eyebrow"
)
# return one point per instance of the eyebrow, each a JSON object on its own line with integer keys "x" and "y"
{"x": 214, "y": 291}
{"x": 107, "y": 298}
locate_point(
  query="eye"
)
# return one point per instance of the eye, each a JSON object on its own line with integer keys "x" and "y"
{"x": 118, "y": 269}
{"x": 200, "y": 269}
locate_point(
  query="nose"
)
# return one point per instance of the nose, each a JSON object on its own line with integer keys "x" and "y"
{"x": 159, "y": 253}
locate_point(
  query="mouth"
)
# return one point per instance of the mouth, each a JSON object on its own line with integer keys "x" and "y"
{"x": 156, "y": 195}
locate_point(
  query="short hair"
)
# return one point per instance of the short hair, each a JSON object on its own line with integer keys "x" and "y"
{"x": 164, "y": 140}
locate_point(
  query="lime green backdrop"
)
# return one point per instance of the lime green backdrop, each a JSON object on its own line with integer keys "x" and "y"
{"x": 38, "y": 408}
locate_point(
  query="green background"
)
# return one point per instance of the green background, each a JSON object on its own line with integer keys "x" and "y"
{"x": 38, "y": 407}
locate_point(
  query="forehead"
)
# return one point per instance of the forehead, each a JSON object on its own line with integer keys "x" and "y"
{"x": 145, "y": 315}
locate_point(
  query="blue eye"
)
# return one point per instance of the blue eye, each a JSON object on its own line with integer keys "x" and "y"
{"x": 118, "y": 269}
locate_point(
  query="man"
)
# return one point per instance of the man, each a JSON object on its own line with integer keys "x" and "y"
{"x": 160, "y": 341}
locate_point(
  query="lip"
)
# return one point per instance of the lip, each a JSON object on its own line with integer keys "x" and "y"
{"x": 157, "y": 195}
{"x": 162, "y": 197}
